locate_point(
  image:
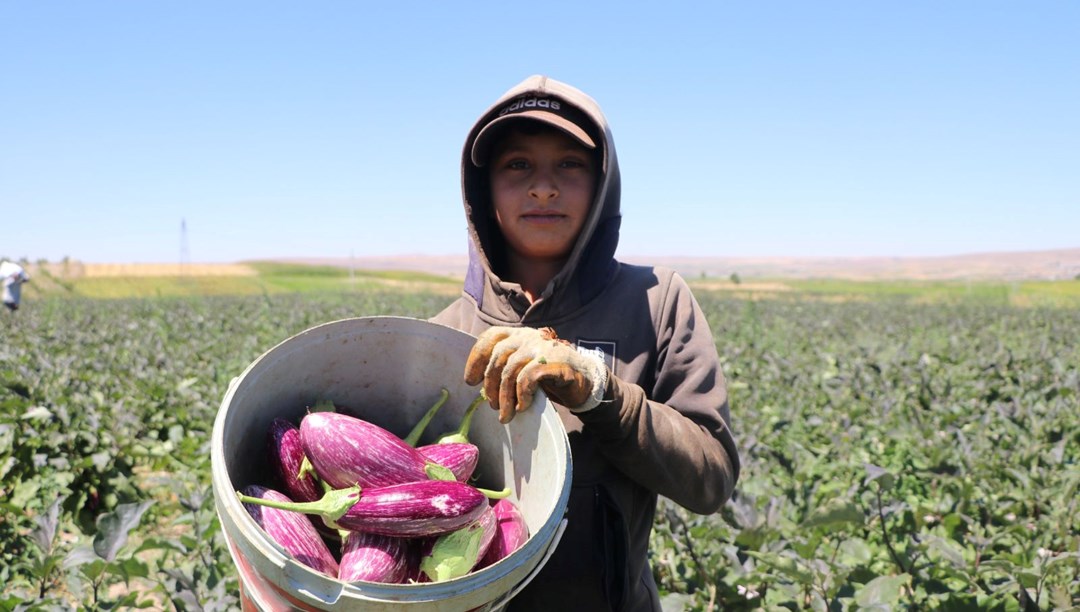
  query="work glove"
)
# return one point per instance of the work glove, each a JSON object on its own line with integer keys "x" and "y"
{"x": 513, "y": 361}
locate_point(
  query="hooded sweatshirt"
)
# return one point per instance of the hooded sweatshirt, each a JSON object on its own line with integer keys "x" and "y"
{"x": 663, "y": 428}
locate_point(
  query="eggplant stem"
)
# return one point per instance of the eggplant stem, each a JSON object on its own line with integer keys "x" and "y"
{"x": 418, "y": 430}
{"x": 488, "y": 493}
{"x": 331, "y": 506}
{"x": 461, "y": 434}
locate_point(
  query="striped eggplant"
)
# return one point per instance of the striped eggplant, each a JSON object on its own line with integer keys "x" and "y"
{"x": 489, "y": 521}
{"x": 374, "y": 558}
{"x": 455, "y": 554}
{"x": 293, "y": 532}
{"x": 287, "y": 456}
{"x": 413, "y": 509}
{"x": 421, "y": 508}
{"x": 459, "y": 457}
{"x": 453, "y": 450}
{"x": 347, "y": 450}
{"x": 510, "y": 534}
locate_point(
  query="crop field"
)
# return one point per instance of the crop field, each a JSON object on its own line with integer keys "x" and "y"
{"x": 897, "y": 454}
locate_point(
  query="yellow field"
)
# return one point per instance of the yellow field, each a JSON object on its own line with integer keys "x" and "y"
{"x": 74, "y": 270}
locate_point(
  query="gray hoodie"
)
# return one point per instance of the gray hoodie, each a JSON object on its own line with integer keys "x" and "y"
{"x": 665, "y": 430}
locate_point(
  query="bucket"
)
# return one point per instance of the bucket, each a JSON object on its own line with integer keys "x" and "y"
{"x": 388, "y": 370}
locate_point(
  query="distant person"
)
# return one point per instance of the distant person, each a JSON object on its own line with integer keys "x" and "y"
{"x": 633, "y": 371}
{"x": 13, "y": 276}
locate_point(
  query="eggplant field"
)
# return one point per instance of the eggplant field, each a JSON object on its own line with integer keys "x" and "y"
{"x": 896, "y": 455}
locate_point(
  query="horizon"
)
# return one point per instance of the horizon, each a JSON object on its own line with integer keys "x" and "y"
{"x": 1051, "y": 265}
{"x": 628, "y": 257}
{"x": 224, "y": 133}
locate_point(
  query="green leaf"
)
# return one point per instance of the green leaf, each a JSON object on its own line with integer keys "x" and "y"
{"x": 676, "y": 602}
{"x": 1060, "y": 598}
{"x": 113, "y": 528}
{"x": 25, "y": 491}
{"x": 882, "y": 591}
{"x": 1028, "y": 578}
{"x": 45, "y": 531}
{"x": 133, "y": 568}
{"x": 80, "y": 555}
{"x": 855, "y": 552}
{"x": 947, "y": 550}
{"x": 785, "y": 566}
{"x": 884, "y": 478}
{"x": 454, "y": 554}
{"x": 834, "y": 513}
{"x": 93, "y": 569}
{"x": 752, "y": 538}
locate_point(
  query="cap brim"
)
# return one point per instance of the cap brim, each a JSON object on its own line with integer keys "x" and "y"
{"x": 482, "y": 144}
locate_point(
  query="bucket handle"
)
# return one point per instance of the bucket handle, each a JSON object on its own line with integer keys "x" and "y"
{"x": 296, "y": 574}
{"x": 536, "y": 570}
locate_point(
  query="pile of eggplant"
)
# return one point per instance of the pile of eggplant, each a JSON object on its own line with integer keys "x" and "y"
{"x": 356, "y": 502}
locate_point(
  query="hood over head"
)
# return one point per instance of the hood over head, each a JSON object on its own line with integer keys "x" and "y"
{"x": 591, "y": 262}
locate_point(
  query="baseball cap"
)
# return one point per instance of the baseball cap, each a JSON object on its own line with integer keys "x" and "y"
{"x": 546, "y": 109}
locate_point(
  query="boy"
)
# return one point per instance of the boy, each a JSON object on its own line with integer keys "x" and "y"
{"x": 623, "y": 351}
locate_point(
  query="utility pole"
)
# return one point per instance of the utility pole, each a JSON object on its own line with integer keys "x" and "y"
{"x": 183, "y": 246}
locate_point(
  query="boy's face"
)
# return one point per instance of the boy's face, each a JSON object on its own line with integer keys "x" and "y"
{"x": 541, "y": 187}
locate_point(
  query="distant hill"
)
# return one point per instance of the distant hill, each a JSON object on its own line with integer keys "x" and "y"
{"x": 1061, "y": 264}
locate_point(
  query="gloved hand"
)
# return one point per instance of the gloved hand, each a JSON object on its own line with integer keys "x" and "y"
{"x": 513, "y": 361}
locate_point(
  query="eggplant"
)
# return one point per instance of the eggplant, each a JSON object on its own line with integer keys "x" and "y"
{"x": 413, "y": 509}
{"x": 288, "y": 461}
{"x": 293, "y": 532}
{"x": 374, "y": 558}
{"x": 347, "y": 450}
{"x": 511, "y": 532}
{"x": 453, "y": 449}
{"x": 458, "y": 457}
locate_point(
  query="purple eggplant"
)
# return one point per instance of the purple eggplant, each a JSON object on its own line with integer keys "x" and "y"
{"x": 287, "y": 459}
{"x": 412, "y": 509}
{"x": 453, "y": 450}
{"x": 347, "y": 450}
{"x": 510, "y": 534}
{"x": 374, "y": 558}
{"x": 458, "y": 457}
{"x": 293, "y": 532}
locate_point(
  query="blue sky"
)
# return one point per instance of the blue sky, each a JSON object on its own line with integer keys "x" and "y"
{"x": 330, "y": 129}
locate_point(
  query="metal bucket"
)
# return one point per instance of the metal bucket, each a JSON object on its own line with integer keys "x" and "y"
{"x": 388, "y": 370}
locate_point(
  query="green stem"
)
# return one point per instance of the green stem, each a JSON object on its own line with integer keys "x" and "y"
{"x": 461, "y": 434}
{"x": 323, "y": 405}
{"x": 332, "y": 506}
{"x": 306, "y": 469}
{"x": 495, "y": 494}
{"x": 418, "y": 430}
